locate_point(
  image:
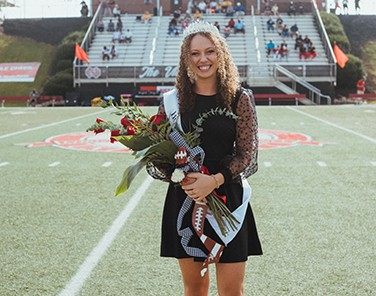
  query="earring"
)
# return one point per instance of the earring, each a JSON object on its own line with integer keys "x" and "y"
{"x": 191, "y": 75}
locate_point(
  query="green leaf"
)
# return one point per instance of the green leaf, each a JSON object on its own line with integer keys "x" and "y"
{"x": 136, "y": 143}
{"x": 129, "y": 174}
{"x": 165, "y": 150}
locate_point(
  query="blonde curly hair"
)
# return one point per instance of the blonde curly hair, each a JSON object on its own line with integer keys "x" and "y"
{"x": 228, "y": 80}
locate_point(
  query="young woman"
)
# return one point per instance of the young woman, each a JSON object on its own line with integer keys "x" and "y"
{"x": 208, "y": 78}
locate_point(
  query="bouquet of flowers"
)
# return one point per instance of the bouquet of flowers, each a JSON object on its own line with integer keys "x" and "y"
{"x": 150, "y": 139}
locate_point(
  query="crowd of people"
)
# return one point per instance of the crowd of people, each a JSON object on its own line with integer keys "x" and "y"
{"x": 344, "y": 8}
{"x": 197, "y": 10}
{"x": 304, "y": 46}
{"x": 115, "y": 26}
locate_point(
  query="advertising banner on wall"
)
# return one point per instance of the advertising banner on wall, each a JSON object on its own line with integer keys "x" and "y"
{"x": 18, "y": 72}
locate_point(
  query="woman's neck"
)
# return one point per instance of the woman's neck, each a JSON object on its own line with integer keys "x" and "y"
{"x": 204, "y": 87}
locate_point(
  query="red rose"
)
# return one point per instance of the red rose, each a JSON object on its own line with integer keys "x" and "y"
{"x": 97, "y": 131}
{"x": 114, "y": 134}
{"x": 99, "y": 120}
{"x": 125, "y": 121}
{"x": 130, "y": 130}
{"x": 158, "y": 119}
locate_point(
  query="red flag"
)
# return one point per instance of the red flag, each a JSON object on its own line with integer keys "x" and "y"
{"x": 81, "y": 54}
{"x": 340, "y": 56}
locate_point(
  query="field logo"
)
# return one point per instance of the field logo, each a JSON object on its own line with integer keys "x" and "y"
{"x": 84, "y": 141}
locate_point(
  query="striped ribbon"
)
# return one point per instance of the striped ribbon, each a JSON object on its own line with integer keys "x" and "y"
{"x": 192, "y": 165}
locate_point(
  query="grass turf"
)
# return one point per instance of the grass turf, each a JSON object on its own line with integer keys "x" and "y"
{"x": 316, "y": 223}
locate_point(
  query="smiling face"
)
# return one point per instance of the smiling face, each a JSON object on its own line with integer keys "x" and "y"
{"x": 203, "y": 58}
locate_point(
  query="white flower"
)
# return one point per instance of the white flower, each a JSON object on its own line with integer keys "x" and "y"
{"x": 177, "y": 176}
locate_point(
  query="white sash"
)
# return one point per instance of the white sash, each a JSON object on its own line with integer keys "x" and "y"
{"x": 171, "y": 106}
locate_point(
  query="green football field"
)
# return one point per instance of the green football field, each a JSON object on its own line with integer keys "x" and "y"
{"x": 62, "y": 231}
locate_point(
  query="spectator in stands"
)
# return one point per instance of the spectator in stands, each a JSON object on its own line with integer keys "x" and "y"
{"x": 277, "y": 53}
{"x": 84, "y": 9}
{"x": 190, "y": 7}
{"x": 311, "y": 52}
{"x": 231, "y": 23}
{"x": 100, "y": 26}
{"x": 173, "y": 29}
{"x": 292, "y": 9}
{"x": 298, "y": 41}
{"x": 230, "y": 10}
{"x": 119, "y": 25}
{"x": 185, "y": 22}
{"x": 301, "y": 8}
{"x": 267, "y": 9}
{"x": 227, "y": 31}
{"x": 106, "y": 8}
{"x": 177, "y": 14}
{"x": 270, "y": 47}
{"x": 33, "y": 98}
{"x": 197, "y": 15}
{"x": 113, "y": 51}
{"x": 275, "y": 9}
{"x": 279, "y": 24}
{"x": 270, "y": 24}
{"x": 357, "y": 6}
{"x": 128, "y": 36}
{"x": 202, "y": 6}
{"x": 216, "y": 24}
{"x": 214, "y": 7}
{"x": 146, "y": 17}
{"x": 110, "y": 26}
{"x": 294, "y": 31}
{"x": 239, "y": 10}
{"x": 116, "y": 11}
{"x": 360, "y": 89}
{"x": 283, "y": 49}
{"x": 225, "y": 5}
{"x": 285, "y": 31}
{"x": 116, "y": 36}
{"x": 303, "y": 51}
{"x": 239, "y": 27}
{"x": 106, "y": 53}
{"x": 306, "y": 40}
{"x": 345, "y": 6}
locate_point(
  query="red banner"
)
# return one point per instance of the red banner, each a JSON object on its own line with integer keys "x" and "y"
{"x": 18, "y": 72}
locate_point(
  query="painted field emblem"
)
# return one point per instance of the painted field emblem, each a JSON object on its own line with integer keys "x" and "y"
{"x": 83, "y": 141}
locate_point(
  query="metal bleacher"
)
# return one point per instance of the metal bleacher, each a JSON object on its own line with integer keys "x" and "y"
{"x": 133, "y": 54}
{"x": 153, "y": 49}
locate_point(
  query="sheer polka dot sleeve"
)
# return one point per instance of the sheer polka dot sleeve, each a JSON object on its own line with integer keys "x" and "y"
{"x": 244, "y": 160}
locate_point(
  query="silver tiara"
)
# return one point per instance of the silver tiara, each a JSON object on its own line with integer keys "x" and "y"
{"x": 197, "y": 27}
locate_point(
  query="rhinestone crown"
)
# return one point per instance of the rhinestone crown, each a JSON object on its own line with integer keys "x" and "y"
{"x": 197, "y": 27}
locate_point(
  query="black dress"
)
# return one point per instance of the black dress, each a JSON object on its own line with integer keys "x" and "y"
{"x": 217, "y": 140}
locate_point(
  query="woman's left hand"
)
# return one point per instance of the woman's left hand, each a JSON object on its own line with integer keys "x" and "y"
{"x": 200, "y": 188}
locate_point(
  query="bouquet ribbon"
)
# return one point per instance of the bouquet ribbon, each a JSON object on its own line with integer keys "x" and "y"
{"x": 215, "y": 249}
{"x": 199, "y": 211}
{"x": 179, "y": 141}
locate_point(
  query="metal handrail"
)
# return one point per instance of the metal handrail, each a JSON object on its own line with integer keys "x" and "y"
{"x": 315, "y": 94}
{"x": 86, "y": 42}
{"x": 324, "y": 37}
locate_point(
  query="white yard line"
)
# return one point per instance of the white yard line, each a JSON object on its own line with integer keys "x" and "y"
{"x": 333, "y": 124}
{"x": 373, "y": 163}
{"x": 91, "y": 261}
{"x": 107, "y": 164}
{"x": 4, "y": 164}
{"x": 267, "y": 164}
{"x": 54, "y": 164}
{"x": 322, "y": 164}
{"x": 49, "y": 125}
